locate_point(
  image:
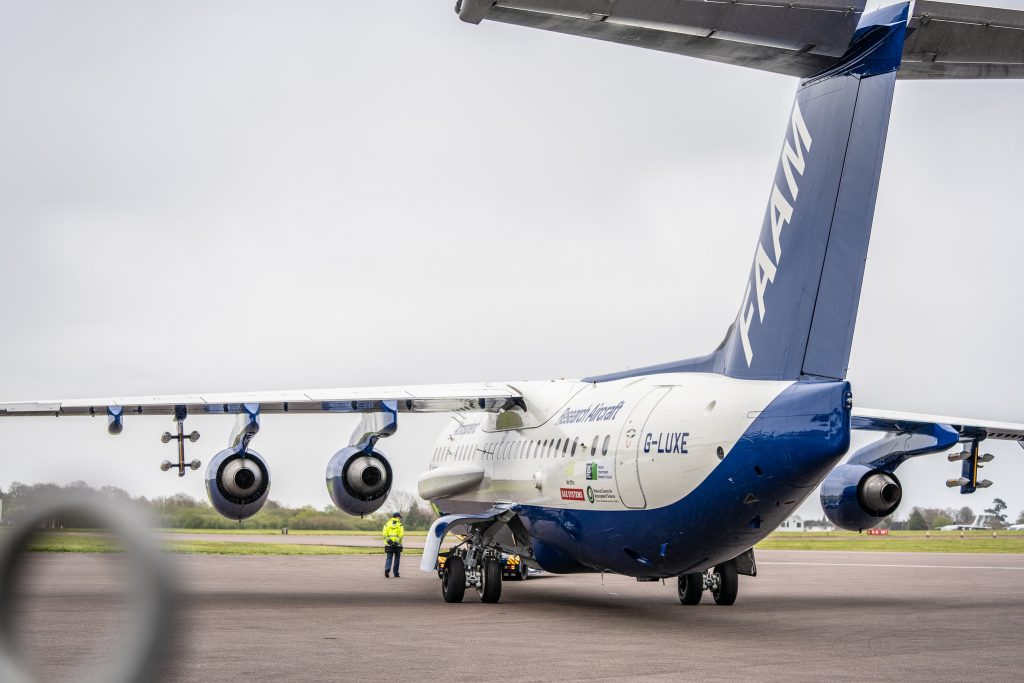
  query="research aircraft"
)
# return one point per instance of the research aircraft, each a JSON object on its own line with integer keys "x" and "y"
{"x": 675, "y": 470}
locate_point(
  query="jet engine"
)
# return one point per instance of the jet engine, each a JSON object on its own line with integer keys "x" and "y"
{"x": 358, "y": 481}
{"x": 857, "y": 497}
{"x": 237, "y": 483}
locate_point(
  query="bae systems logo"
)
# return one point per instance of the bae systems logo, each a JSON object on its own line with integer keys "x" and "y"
{"x": 572, "y": 494}
{"x": 780, "y": 212}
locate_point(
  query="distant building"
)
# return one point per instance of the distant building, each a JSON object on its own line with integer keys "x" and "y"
{"x": 794, "y": 523}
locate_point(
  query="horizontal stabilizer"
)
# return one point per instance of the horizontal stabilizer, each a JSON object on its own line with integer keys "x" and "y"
{"x": 798, "y": 39}
{"x": 944, "y": 40}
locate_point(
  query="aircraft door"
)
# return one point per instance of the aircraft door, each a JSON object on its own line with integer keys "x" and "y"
{"x": 627, "y": 475}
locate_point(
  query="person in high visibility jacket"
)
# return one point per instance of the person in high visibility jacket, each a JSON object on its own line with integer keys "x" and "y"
{"x": 393, "y": 533}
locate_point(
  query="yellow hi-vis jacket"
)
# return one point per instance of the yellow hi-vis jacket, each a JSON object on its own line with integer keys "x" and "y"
{"x": 394, "y": 531}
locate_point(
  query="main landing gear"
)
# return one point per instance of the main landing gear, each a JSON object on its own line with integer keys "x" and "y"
{"x": 721, "y": 580}
{"x": 469, "y": 566}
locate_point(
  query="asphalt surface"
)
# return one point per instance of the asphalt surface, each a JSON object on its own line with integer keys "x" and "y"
{"x": 807, "y": 616}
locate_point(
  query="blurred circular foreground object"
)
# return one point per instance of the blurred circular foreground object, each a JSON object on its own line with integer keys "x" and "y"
{"x": 141, "y": 655}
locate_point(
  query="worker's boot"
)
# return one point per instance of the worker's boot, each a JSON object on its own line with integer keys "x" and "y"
{"x": 396, "y": 575}
{"x": 387, "y": 574}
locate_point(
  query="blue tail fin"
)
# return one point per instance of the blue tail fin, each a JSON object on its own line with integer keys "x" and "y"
{"x": 800, "y": 304}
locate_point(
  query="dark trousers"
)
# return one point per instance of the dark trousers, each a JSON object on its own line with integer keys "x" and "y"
{"x": 387, "y": 563}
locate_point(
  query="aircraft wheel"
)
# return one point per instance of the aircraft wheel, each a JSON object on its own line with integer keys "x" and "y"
{"x": 491, "y": 577}
{"x": 728, "y": 584}
{"x": 453, "y": 581}
{"x": 524, "y": 571}
{"x": 691, "y": 588}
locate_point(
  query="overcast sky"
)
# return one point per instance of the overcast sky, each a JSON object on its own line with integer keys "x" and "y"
{"x": 229, "y": 196}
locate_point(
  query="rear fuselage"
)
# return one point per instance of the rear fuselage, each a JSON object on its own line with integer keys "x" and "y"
{"x": 649, "y": 476}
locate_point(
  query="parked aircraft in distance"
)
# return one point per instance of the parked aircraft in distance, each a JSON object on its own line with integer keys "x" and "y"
{"x": 674, "y": 470}
{"x": 981, "y": 523}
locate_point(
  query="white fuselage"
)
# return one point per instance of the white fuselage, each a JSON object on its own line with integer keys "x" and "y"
{"x": 627, "y": 444}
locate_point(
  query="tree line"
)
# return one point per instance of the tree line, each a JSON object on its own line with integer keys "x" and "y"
{"x": 182, "y": 511}
{"x": 924, "y": 519}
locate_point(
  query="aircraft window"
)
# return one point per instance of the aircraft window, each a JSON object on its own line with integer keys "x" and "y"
{"x": 604, "y": 447}
{"x": 565, "y": 448}
{"x": 559, "y": 445}
{"x": 533, "y": 448}
{"x": 574, "y": 442}
{"x": 593, "y": 446}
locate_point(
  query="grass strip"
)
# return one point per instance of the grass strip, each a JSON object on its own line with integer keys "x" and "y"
{"x": 1005, "y": 542}
{"x": 291, "y": 532}
{"x": 61, "y": 542}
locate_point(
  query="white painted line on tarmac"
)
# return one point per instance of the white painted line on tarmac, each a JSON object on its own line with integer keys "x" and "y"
{"x": 901, "y": 566}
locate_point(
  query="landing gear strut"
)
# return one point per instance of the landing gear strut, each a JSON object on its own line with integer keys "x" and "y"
{"x": 721, "y": 580}
{"x": 470, "y": 566}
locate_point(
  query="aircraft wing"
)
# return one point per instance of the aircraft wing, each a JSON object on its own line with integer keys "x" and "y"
{"x": 944, "y": 40}
{"x": 416, "y": 399}
{"x": 898, "y": 422}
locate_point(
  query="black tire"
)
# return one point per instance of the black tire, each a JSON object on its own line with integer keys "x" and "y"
{"x": 453, "y": 580}
{"x": 524, "y": 571}
{"x": 728, "y": 584}
{"x": 691, "y": 588}
{"x": 491, "y": 577}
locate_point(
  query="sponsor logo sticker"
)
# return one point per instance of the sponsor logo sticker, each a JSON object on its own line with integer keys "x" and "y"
{"x": 602, "y": 495}
{"x": 571, "y": 494}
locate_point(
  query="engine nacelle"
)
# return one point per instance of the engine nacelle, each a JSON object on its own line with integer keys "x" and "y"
{"x": 358, "y": 482}
{"x": 857, "y": 497}
{"x": 237, "y": 483}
